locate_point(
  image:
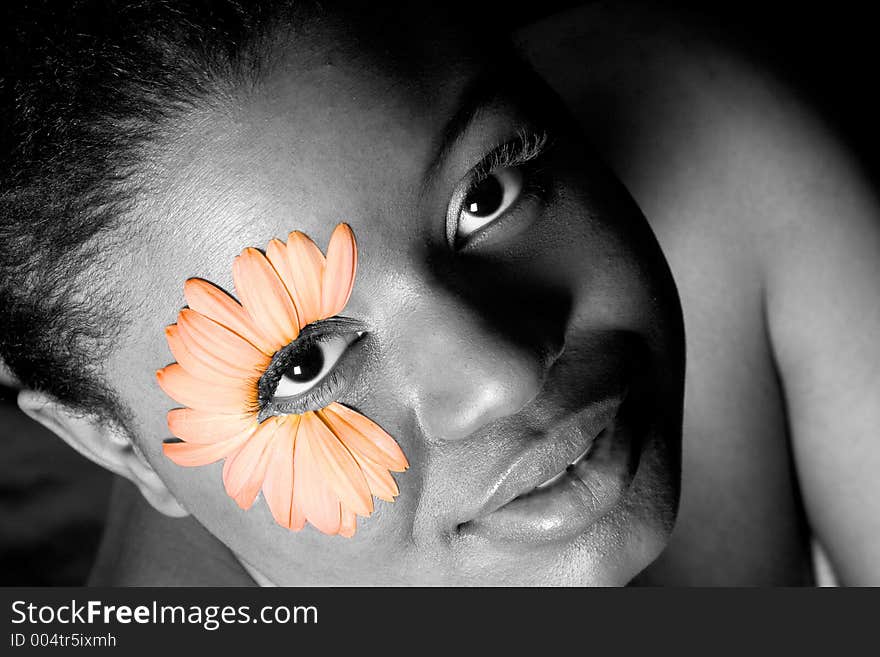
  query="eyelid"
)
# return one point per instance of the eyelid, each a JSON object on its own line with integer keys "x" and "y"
{"x": 351, "y": 361}
{"x": 528, "y": 145}
{"x": 336, "y": 325}
{"x": 513, "y": 185}
{"x": 332, "y": 348}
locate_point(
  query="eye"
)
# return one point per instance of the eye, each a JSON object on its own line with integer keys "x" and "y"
{"x": 326, "y": 359}
{"x": 489, "y": 199}
{"x": 311, "y": 363}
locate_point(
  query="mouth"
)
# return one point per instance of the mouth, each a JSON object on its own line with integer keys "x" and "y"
{"x": 562, "y": 486}
{"x": 569, "y": 469}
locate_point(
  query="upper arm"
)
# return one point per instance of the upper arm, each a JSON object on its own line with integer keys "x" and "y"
{"x": 752, "y": 196}
{"x": 812, "y": 214}
{"x": 822, "y": 295}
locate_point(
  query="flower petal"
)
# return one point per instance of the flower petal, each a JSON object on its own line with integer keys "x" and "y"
{"x": 348, "y": 523}
{"x": 276, "y": 252}
{"x": 339, "y": 272}
{"x": 203, "y": 396}
{"x": 373, "y": 462}
{"x": 306, "y": 269}
{"x": 207, "y": 428}
{"x": 336, "y": 464}
{"x": 278, "y": 482}
{"x": 360, "y": 434}
{"x": 311, "y": 495}
{"x": 191, "y": 454}
{"x": 206, "y": 371}
{"x": 379, "y": 479}
{"x": 212, "y": 343}
{"x": 244, "y": 471}
{"x": 298, "y": 515}
{"x": 212, "y": 302}
{"x": 264, "y": 296}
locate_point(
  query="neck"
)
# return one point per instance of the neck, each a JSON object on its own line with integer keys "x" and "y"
{"x": 142, "y": 547}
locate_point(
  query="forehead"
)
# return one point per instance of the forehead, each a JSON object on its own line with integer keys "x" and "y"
{"x": 342, "y": 133}
{"x": 346, "y": 132}
{"x": 329, "y": 133}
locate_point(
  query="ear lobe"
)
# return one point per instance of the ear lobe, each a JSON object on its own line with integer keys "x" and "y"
{"x": 7, "y": 378}
{"x": 104, "y": 443}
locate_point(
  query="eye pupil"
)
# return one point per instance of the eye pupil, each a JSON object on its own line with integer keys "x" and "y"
{"x": 307, "y": 364}
{"x": 485, "y": 198}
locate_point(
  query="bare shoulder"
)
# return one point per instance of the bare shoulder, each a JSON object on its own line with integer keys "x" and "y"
{"x": 677, "y": 110}
{"x": 771, "y": 230}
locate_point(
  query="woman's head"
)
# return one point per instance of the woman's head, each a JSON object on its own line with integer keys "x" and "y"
{"x": 516, "y": 304}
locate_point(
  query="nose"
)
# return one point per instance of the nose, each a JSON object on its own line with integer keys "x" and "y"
{"x": 461, "y": 371}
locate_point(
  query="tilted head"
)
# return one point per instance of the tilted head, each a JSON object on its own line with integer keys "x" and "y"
{"x": 517, "y": 309}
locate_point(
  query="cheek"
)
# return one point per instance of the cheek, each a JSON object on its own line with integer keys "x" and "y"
{"x": 380, "y": 540}
{"x": 379, "y": 546}
{"x": 604, "y": 250}
{"x": 131, "y": 369}
{"x": 607, "y": 265}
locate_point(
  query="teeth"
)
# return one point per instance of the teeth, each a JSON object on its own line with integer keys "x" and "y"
{"x": 552, "y": 480}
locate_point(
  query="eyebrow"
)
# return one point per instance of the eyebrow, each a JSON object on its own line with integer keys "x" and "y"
{"x": 478, "y": 93}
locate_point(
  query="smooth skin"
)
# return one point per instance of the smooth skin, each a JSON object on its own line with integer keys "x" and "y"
{"x": 773, "y": 234}
{"x": 475, "y": 358}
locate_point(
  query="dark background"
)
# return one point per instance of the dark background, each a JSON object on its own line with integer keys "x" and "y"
{"x": 52, "y": 501}
{"x": 52, "y": 504}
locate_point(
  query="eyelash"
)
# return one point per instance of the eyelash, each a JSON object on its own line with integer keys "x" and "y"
{"x": 525, "y": 147}
{"x": 325, "y": 391}
{"x": 526, "y": 150}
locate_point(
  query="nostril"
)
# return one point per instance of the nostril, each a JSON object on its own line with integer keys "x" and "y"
{"x": 480, "y": 349}
{"x": 554, "y": 350}
{"x": 482, "y": 393}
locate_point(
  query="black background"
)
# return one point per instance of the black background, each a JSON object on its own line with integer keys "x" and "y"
{"x": 487, "y": 621}
{"x": 829, "y": 52}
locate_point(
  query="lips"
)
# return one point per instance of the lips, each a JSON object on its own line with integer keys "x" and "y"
{"x": 564, "y": 483}
{"x": 569, "y": 468}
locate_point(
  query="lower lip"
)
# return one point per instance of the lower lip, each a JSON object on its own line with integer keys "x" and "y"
{"x": 574, "y": 503}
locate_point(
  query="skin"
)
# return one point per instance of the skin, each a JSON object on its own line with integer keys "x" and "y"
{"x": 473, "y": 357}
{"x": 771, "y": 229}
{"x": 764, "y": 217}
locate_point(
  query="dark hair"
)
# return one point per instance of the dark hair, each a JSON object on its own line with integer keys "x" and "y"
{"x": 85, "y": 87}
{"x": 89, "y": 89}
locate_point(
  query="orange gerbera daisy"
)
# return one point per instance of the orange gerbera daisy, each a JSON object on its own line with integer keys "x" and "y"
{"x": 321, "y": 465}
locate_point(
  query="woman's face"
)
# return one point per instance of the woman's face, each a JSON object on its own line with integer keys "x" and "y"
{"x": 519, "y": 313}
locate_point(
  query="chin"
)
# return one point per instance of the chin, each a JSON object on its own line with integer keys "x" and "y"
{"x": 610, "y": 554}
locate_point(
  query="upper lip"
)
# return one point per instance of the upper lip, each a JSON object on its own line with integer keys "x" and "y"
{"x": 549, "y": 455}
